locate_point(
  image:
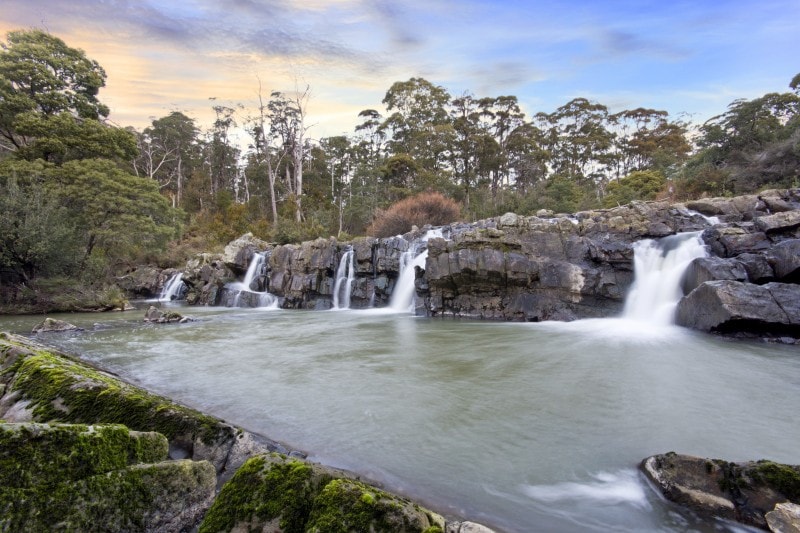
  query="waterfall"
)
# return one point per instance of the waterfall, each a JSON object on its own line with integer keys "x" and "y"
{"x": 404, "y": 289}
{"x": 242, "y": 293}
{"x": 174, "y": 288}
{"x": 658, "y": 267}
{"x": 345, "y": 275}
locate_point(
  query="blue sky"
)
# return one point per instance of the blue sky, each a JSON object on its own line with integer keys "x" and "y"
{"x": 691, "y": 57}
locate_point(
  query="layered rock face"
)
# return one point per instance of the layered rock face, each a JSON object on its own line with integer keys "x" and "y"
{"x": 545, "y": 267}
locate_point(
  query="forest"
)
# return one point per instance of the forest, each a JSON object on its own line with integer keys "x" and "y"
{"x": 84, "y": 199}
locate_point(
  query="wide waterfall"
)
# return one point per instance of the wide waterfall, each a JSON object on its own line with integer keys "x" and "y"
{"x": 658, "y": 268}
{"x": 174, "y": 288}
{"x": 345, "y": 275}
{"x": 243, "y": 293}
{"x": 404, "y": 289}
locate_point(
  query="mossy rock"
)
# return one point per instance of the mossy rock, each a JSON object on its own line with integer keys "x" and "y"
{"x": 346, "y": 505}
{"x": 61, "y": 389}
{"x": 40, "y": 454}
{"x": 275, "y": 493}
{"x": 166, "y": 496}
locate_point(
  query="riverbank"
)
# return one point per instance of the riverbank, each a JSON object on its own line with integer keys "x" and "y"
{"x": 41, "y": 385}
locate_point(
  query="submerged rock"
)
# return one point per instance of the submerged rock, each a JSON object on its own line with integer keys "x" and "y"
{"x": 156, "y": 315}
{"x": 744, "y": 492}
{"x": 49, "y": 325}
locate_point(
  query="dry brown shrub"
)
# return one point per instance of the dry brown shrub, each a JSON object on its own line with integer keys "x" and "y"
{"x": 427, "y": 208}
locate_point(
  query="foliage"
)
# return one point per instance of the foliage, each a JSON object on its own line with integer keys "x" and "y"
{"x": 638, "y": 185}
{"x": 426, "y": 208}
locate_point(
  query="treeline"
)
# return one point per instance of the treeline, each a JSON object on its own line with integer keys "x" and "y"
{"x": 82, "y": 197}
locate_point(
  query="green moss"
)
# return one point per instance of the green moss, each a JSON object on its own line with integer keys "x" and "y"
{"x": 783, "y": 478}
{"x": 266, "y": 488}
{"x": 137, "y": 498}
{"x": 346, "y": 506}
{"x": 63, "y": 390}
{"x": 433, "y": 529}
{"x": 39, "y": 454}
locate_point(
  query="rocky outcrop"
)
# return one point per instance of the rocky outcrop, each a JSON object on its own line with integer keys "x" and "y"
{"x": 744, "y": 492}
{"x": 205, "y": 276}
{"x": 239, "y": 252}
{"x": 77, "y": 477}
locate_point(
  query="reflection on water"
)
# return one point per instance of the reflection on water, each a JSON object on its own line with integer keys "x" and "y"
{"x": 526, "y": 427}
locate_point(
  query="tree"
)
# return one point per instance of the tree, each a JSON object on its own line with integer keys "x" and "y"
{"x": 48, "y": 102}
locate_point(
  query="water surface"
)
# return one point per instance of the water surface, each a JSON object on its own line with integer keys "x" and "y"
{"x": 524, "y": 427}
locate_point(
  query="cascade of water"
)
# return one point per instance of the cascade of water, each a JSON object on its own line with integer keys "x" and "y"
{"x": 345, "y": 275}
{"x": 253, "y": 298}
{"x": 174, "y": 288}
{"x": 658, "y": 267}
{"x": 402, "y": 298}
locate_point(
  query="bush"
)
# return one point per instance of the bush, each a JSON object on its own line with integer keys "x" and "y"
{"x": 426, "y": 208}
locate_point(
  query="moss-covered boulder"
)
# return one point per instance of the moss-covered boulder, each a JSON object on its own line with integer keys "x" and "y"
{"x": 97, "y": 478}
{"x": 41, "y": 385}
{"x": 744, "y": 492}
{"x": 274, "y": 493}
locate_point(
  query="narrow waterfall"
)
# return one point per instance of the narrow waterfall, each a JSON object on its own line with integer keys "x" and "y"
{"x": 174, "y": 288}
{"x": 658, "y": 267}
{"x": 404, "y": 289}
{"x": 345, "y": 275}
{"x": 242, "y": 294}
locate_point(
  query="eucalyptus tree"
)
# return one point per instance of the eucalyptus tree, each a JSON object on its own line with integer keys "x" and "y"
{"x": 579, "y": 140}
{"x": 169, "y": 150}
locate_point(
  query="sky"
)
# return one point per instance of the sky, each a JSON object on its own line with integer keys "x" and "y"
{"x": 690, "y": 58}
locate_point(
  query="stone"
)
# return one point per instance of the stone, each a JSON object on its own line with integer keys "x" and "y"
{"x": 49, "y": 325}
{"x": 779, "y": 222}
{"x": 105, "y": 477}
{"x": 784, "y": 258}
{"x": 744, "y": 492}
{"x": 711, "y": 269}
{"x": 239, "y": 252}
{"x": 143, "y": 282}
{"x": 734, "y": 307}
{"x": 785, "y": 518}
{"x": 157, "y": 316}
{"x": 294, "y": 495}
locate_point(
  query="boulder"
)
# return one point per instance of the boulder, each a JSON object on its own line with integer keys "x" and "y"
{"x": 779, "y": 222}
{"x": 744, "y": 492}
{"x": 238, "y": 252}
{"x": 733, "y": 307}
{"x": 711, "y": 269}
{"x": 784, "y": 258}
{"x": 204, "y": 276}
{"x": 785, "y": 518}
{"x": 276, "y": 493}
{"x": 143, "y": 282}
{"x": 157, "y": 316}
{"x": 49, "y": 325}
{"x": 81, "y": 478}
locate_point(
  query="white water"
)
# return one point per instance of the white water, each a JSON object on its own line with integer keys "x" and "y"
{"x": 658, "y": 268}
{"x": 254, "y": 270}
{"x": 173, "y": 288}
{"x": 345, "y": 275}
{"x": 403, "y": 294}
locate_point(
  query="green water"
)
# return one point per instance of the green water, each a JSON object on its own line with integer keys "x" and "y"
{"x": 524, "y": 427}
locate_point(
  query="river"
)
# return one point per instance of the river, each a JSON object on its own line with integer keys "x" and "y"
{"x": 524, "y": 427}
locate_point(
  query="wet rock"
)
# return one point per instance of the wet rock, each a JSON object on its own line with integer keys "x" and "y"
{"x": 205, "y": 275}
{"x": 467, "y": 527}
{"x": 784, "y": 258}
{"x": 239, "y": 252}
{"x": 733, "y": 307}
{"x": 158, "y": 316}
{"x": 744, "y": 492}
{"x": 49, "y": 325}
